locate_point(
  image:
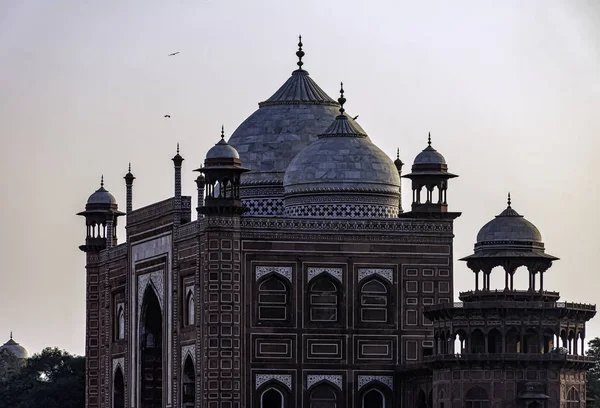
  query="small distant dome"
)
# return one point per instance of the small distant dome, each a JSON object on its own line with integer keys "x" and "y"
{"x": 222, "y": 150}
{"x": 509, "y": 226}
{"x": 15, "y": 348}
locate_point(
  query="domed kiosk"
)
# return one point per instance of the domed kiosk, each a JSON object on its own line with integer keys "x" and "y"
{"x": 101, "y": 213}
{"x": 509, "y": 241}
{"x": 268, "y": 140}
{"x": 430, "y": 171}
{"x": 14, "y": 348}
{"x": 342, "y": 175}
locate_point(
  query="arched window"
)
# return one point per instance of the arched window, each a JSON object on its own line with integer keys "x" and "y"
{"x": 573, "y": 398}
{"x": 151, "y": 351}
{"x": 190, "y": 310}
{"x": 271, "y": 398}
{"x": 273, "y": 299}
{"x": 477, "y": 341}
{"x": 441, "y": 398}
{"x": 373, "y": 399}
{"x": 189, "y": 384}
{"x": 513, "y": 341}
{"x": 494, "y": 341}
{"x": 421, "y": 399}
{"x": 477, "y": 398}
{"x": 120, "y": 323}
{"x": 323, "y": 396}
{"x": 118, "y": 390}
{"x": 323, "y": 300}
{"x": 374, "y": 302}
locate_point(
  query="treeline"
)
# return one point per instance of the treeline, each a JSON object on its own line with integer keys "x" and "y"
{"x": 50, "y": 379}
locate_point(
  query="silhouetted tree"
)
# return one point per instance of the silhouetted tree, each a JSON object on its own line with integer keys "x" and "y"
{"x": 593, "y": 374}
{"x": 50, "y": 379}
{"x": 9, "y": 364}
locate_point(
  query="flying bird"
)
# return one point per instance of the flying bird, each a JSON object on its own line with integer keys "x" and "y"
{"x": 167, "y": 116}
{"x": 354, "y": 118}
{"x": 175, "y": 53}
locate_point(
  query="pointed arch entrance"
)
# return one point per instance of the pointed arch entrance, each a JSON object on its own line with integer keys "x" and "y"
{"x": 151, "y": 327}
{"x": 189, "y": 383}
{"x": 118, "y": 389}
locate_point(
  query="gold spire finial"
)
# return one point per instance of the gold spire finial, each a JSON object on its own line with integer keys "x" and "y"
{"x": 509, "y": 201}
{"x": 429, "y": 139}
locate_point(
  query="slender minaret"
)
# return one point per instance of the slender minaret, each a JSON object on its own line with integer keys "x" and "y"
{"x": 399, "y": 165}
{"x": 177, "y": 161}
{"x": 129, "y": 177}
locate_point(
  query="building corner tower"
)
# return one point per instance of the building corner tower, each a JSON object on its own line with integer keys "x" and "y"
{"x": 221, "y": 280}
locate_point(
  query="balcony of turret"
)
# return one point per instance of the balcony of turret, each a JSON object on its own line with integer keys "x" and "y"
{"x": 509, "y": 295}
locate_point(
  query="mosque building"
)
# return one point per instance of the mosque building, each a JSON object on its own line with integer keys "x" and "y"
{"x": 303, "y": 282}
{"x": 15, "y": 348}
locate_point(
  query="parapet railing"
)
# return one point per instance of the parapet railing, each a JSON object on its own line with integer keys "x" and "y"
{"x": 513, "y": 304}
{"x": 509, "y": 357}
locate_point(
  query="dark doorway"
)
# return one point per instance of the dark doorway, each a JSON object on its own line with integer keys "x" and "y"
{"x": 189, "y": 383}
{"x": 151, "y": 351}
{"x": 373, "y": 399}
{"x": 118, "y": 390}
{"x": 271, "y": 399}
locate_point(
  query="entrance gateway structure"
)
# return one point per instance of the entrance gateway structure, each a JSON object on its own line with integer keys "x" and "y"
{"x": 303, "y": 283}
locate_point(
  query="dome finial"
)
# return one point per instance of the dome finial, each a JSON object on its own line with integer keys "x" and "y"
{"x": 398, "y": 154}
{"x": 177, "y": 147}
{"x": 11, "y": 334}
{"x": 300, "y": 53}
{"x": 341, "y": 99}
{"x": 129, "y": 170}
{"x": 509, "y": 202}
{"x": 222, "y": 132}
{"x": 102, "y": 180}
{"x": 429, "y": 139}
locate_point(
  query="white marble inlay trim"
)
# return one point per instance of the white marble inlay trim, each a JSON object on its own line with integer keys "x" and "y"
{"x": 189, "y": 289}
{"x": 118, "y": 362}
{"x": 384, "y": 273}
{"x": 334, "y": 272}
{"x": 156, "y": 280}
{"x": 333, "y": 379}
{"x": 285, "y": 271}
{"x": 386, "y": 380}
{"x": 285, "y": 379}
{"x": 189, "y": 350}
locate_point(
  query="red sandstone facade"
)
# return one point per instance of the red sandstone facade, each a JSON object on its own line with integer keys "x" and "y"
{"x": 263, "y": 301}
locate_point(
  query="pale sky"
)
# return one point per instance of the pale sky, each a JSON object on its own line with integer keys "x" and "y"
{"x": 509, "y": 90}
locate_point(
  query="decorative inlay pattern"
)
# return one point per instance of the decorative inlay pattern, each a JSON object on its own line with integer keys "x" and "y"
{"x": 334, "y": 272}
{"x": 343, "y": 211}
{"x": 118, "y": 362}
{"x": 285, "y": 271}
{"x": 386, "y": 380}
{"x": 189, "y": 350}
{"x": 379, "y": 226}
{"x": 384, "y": 273}
{"x": 263, "y": 206}
{"x": 285, "y": 379}
{"x": 156, "y": 280}
{"x": 333, "y": 379}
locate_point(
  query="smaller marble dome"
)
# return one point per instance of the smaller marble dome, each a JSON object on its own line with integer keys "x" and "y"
{"x": 509, "y": 235}
{"x": 342, "y": 175}
{"x": 222, "y": 150}
{"x": 15, "y": 348}
{"x": 429, "y": 160}
{"x": 102, "y": 196}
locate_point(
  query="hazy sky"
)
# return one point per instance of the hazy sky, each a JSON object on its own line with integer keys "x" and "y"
{"x": 509, "y": 90}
